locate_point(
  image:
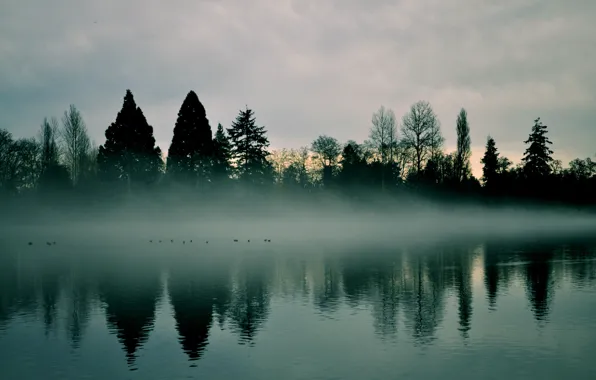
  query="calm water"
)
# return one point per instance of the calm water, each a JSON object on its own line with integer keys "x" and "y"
{"x": 224, "y": 310}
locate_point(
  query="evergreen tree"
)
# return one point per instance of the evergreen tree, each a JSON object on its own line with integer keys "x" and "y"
{"x": 189, "y": 156}
{"x": 249, "y": 149}
{"x": 490, "y": 170}
{"x": 537, "y": 157}
{"x": 222, "y": 155}
{"x": 129, "y": 153}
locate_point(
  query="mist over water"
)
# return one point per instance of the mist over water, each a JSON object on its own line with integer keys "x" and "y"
{"x": 339, "y": 292}
{"x": 330, "y": 222}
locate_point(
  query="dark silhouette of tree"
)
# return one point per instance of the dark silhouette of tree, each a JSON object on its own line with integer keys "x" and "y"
{"x": 250, "y": 303}
{"x": 18, "y": 287}
{"x": 50, "y": 292}
{"x": 388, "y": 285}
{"x": 383, "y": 134}
{"x": 353, "y": 166}
{"x": 582, "y": 273}
{"x": 539, "y": 282}
{"x": 356, "y": 275}
{"x": 76, "y": 142}
{"x": 50, "y": 154}
{"x": 22, "y": 165}
{"x": 222, "y": 156}
{"x": 9, "y": 287}
{"x": 490, "y": 161}
{"x": 327, "y": 288}
{"x": 130, "y": 301}
{"x": 78, "y": 309}
{"x": 436, "y": 140}
{"x": 293, "y": 276}
{"x": 191, "y": 150}
{"x": 295, "y": 175}
{"x": 129, "y": 153}
{"x": 423, "y": 299}
{"x": 416, "y": 166}
{"x": 199, "y": 292}
{"x": 290, "y": 168}
{"x": 491, "y": 275}
{"x": 464, "y": 152}
{"x": 280, "y": 160}
{"x": 537, "y": 158}
{"x": 54, "y": 177}
{"x": 193, "y": 310}
{"x": 6, "y": 153}
{"x": 420, "y": 132}
{"x": 383, "y": 139}
{"x": 327, "y": 150}
{"x": 463, "y": 283}
{"x": 249, "y": 150}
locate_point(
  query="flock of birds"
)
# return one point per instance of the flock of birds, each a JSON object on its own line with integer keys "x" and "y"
{"x": 171, "y": 241}
{"x": 47, "y": 243}
{"x": 207, "y": 241}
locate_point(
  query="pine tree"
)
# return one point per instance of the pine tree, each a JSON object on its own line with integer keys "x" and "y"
{"x": 537, "y": 157}
{"x": 222, "y": 155}
{"x": 189, "y": 156}
{"x": 249, "y": 149}
{"x": 129, "y": 153}
{"x": 490, "y": 170}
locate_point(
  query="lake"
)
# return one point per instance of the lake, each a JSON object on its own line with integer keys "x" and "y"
{"x": 134, "y": 309}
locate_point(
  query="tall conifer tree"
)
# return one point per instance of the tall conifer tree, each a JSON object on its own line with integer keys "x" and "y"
{"x": 129, "y": 153}
{"x": 222, "y": 155}
{"x": 189, "y": 156}
{"x": 249, "y": 149}
{"x": 490, "y": 161}
{"x": 537, "y": 157}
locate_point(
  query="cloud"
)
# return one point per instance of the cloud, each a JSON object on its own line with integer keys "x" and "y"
{"x": 307, "y": 67}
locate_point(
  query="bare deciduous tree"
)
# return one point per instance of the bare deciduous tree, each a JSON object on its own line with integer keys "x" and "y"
{"x": 436, "y": 140}
{"x": 296, "y": 173}
{"x": 421, "y": 132}
{"x": 76, "y": 142}
{"x": 404, "y": 158}
{"x": 20, "y": 164}
{"x": 280, "y": 159}
{"x": 383, "y": 138}
{"x": 383, "y": 134}
{"x": 88, "y": 164}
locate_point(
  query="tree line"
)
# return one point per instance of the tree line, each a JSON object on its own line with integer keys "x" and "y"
{"x": 398, "y": 157}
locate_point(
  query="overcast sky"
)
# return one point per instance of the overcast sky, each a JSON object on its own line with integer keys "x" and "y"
{"x": 308, "y": 67}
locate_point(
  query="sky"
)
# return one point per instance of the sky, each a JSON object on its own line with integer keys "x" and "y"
{"x": 308, "y": 67}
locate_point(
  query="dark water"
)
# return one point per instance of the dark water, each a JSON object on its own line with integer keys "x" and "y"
{"x": 136, "y": 310}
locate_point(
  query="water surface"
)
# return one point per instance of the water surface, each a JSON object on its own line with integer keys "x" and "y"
{"x": 133, "y": 309}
